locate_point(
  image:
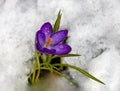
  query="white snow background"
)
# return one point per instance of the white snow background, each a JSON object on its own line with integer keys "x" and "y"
{"x": 94, "y": 30}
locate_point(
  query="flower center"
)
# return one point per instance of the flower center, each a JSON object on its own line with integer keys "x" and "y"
{"x": 49, "y": 42}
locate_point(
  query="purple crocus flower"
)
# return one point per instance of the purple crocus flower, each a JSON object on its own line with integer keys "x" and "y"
{"x": 51, "y": 43}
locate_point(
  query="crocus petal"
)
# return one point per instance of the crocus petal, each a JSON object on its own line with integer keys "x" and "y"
{"x": 40, "y": 38}
{"x": 59, "y": 37}
{"x": 62, "y": 49}
{"x": 46, "y": 29}
{"x": 39, "y": 48}
{"x": 49, "y": 51}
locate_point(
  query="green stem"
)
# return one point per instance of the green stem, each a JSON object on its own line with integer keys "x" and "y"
{"x": 34, "y": 69}
{"x": 33, "y": 76}
{"x": 55, "y": 56}
{"x": 49, "y": 58}
{"x": 43, "y": 57}
{"x": 38, "y": 66}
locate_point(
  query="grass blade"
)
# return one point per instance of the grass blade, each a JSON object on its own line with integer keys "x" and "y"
{"x": 82, "y": 71}
{"x": 57, "y": 22}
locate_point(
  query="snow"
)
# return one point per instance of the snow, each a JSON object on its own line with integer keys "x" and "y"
{"x": 94, "y": 30}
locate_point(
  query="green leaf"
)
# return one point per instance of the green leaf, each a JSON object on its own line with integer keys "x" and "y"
{"x": 81, "y": 71}
{"x": 68, "y": 55}
{"x": 57, "y": 22}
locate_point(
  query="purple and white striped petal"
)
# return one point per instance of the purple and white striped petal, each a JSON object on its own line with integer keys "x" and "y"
{"x": 49, "y": 51}
{"x": 40, "y": 38}
{"x": 46, "y": 29}
{"x": 39, "y": 48}
{"x": 59, "y": 37}
{"x": 62, "y": 49}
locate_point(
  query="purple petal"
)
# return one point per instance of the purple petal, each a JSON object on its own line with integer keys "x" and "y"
{"x": 62, "y": 49}
{"x": 46, "y": 29}
{"x": 59, "y": 36}
{"x": 44, "y": 50}
{"x": 40, "y": 38}
{"x": 49, "y": 51}
{"x": 39, "y": 48}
